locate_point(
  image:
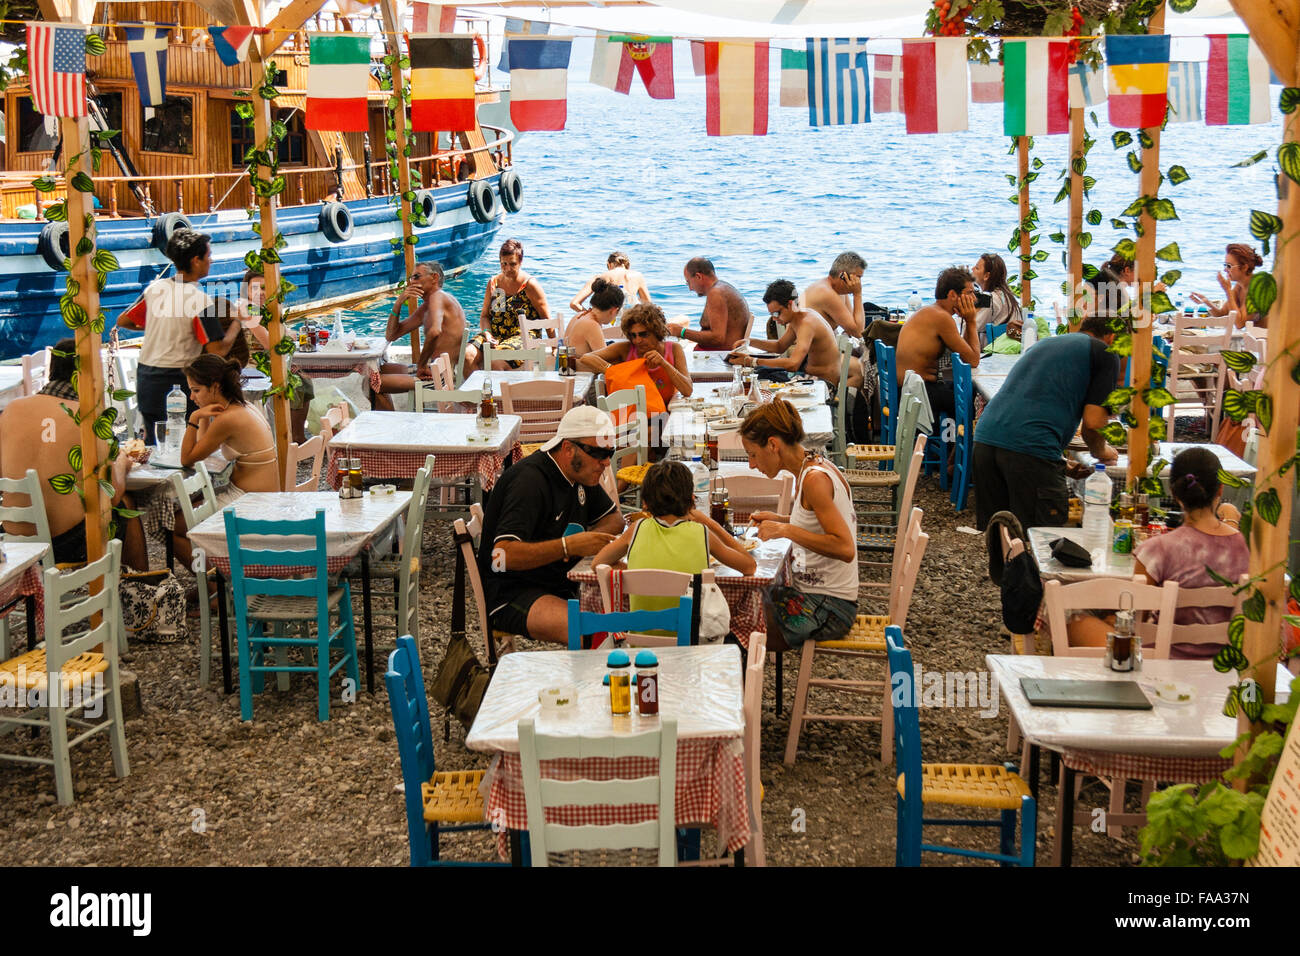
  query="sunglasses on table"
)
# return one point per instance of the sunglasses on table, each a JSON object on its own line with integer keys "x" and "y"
{"x": 593, "y": 451}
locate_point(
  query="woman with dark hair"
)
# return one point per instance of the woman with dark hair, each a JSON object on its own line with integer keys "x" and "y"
{"x": 510, "y": 293}
{"x": 647, "y": 334}
{"x": 1208, "y": 540}
{"x": 822, "y": 604}
{"x": 618, "y": 272}
{"x": 990, "y": 274}
{"x": 173, "y": 332}
{"x": 675, "y": 536}
{"x": 585, "y": 332}
{"x": 1239, "y": 264}
{"x": 223, "y": 420}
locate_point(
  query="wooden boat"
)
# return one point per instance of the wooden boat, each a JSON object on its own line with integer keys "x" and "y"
{"x": 183, "y": 165}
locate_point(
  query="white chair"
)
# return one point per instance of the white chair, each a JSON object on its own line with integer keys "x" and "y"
{"x": 308, "y": 453}
{"x": 530, "y": 358}
{"x": 540, "y": 405}
{"x": 1218, "y": 597}
{"x": 403, "y": 568}
{"x": 865, "y": 640}
{"x": 126, "y": 362}
{"x": 430, "y": 399}
{"x": 875, "y": 534}
{"x": 1197, "y": 372}
{"x": 444, "y": 376}
{"x": 543, "y": 793}
{"x": 1107, "y": 594}
{"x": 331, "y": 423}
{"x": 840, "y": 435}
{"x": 541, "y": 333}
{"x": 85, "y": 662}
{"x": 36, "y": 371}
{"x": 468, "y": 537}
{"x": 631, "y": 431}
{"x": 32, "y": 513}
{"x": 200, "y": 483}
{"x": 749, "y": 493}
{"x": 645, "y": 582}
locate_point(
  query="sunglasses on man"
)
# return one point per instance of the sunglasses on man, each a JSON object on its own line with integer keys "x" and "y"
{"x": 593, "y": 451}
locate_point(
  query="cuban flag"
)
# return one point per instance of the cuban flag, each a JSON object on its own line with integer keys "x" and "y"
{"x": 838, "y": 92}
{"x": 147, "y": 44}
{"x": 231, "y": 43}
{"x": 539, "y": 92}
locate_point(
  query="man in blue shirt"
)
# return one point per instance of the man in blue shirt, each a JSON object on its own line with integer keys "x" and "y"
{"x": 1058, "y": 385}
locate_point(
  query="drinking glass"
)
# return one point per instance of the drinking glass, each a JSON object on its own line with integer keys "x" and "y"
{"x": 160, "y": 434}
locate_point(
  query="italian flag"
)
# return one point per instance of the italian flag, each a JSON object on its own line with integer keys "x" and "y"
{"x": 935, "y": 85}
{"x": 794, "y": 78}
{"x": 338, "y": 76}
{"x": 1236, "y": 81}
{"x": 1036, "y": 79}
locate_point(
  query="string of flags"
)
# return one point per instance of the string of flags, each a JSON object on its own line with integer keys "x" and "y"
{"x": 834, "y": 79}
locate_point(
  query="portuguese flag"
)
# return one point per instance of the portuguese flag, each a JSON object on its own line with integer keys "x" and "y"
{"x": 442, "y": 83}
{"x": 337, "y": 79}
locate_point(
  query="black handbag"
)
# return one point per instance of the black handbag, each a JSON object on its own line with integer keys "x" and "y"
{"x": 461, "y": 681}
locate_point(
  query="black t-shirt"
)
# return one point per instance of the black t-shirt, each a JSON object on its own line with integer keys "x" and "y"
{"x": 533, "y": 501}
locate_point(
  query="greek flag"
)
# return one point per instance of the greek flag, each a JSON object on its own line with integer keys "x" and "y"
{"x": 838, "y": 89}
{"x": 147, "y": 45}
{"x": 1184, "y": 91}
{"x": 1087, "y": 88}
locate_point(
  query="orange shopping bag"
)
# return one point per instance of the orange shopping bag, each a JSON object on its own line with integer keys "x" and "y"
{"x": 630, "y": 375}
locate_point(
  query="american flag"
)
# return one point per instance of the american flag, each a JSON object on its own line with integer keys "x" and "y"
{"x": 56, "y": 63}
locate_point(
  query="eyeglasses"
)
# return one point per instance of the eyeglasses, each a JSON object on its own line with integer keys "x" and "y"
{"x": 1229, "y": 265}
{"x": 638, "y": 335}
{"x": 593, "y": 451}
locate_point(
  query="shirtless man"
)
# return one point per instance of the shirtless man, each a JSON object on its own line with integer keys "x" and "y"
{"x": 440, "y": 316}
{"x": 725, "y": 319}
{"x": 807, "y": 344}
{"x": 827, "y": 295}
{"x": 930, "y": 330}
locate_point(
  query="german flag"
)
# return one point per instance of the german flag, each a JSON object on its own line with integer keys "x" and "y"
{"x": 442, "y": 83}
{"x": 1138, "y": 68}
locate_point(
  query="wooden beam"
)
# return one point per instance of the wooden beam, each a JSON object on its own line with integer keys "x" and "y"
{"x": 1026, "y": 250}
{"x": 1076, "y": 212}
{"x": 392, "y": 24}
{"x": 1275, "y": 27}
{"x": 285, "y": 23}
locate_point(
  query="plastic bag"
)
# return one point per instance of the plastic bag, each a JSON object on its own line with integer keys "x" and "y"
{"x": 327, "y": 396}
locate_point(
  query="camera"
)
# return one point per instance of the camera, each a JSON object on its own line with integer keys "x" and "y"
{"x": 983, "y": 300}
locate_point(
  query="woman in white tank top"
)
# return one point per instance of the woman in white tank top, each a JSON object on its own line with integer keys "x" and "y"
{"x": 822, "y": 604}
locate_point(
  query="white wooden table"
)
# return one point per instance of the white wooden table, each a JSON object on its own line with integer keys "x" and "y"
{"x": 989, "y": 376}
{"x": 1169, "y": 450}
{"x": 351, "y": 528}
{"x": 20, "y": 578}
{"x": 1105, "y": 562}
{"x": 333, "y": 361}
{"x": 709, "y": 366}
{"x": 699, "y": 686}
{"x": 682, "y": 428}
{"x": 581, "y": 381}
{"x": 11, "y": 383}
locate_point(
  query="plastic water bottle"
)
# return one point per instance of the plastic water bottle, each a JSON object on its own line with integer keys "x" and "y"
{"x": 336, "y": 334}
{"x": 1096, "y": 509}
{"x": 1028, "y": 332}
{"x": 914, "y": 302}
{"x": 176, "y": 405}
{"x": 701, "y": 476}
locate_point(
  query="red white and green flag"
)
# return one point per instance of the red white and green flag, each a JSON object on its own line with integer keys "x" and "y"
{"x": 935, "y": 85}
{"x": 1236, "y": 81}
{"x": 1036, "y": 83}
{"x": 338, "y": 76}
{"x": 794, "y": 78}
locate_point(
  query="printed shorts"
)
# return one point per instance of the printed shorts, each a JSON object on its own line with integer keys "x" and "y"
{"x": 801, "y": 616}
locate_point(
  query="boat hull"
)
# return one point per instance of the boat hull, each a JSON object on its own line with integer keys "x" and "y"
{"x": 324, "y": 272}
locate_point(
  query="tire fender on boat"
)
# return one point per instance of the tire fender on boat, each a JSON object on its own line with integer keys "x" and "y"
{"x": 336, "y": 222}
{"x": 164, "y": 227}
{"x": 53, "y": 245}
{"x": 512, "y": 191}
{"x": 427, "y": 204}
{"x": 482, "y": 201}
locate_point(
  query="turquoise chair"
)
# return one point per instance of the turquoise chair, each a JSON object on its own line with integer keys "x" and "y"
{"x": 987, "y": 786}
{"x": 436, "y": 803}
{"x": 888, "y": 393}
{"x": 993, "y": 332}
{"x": 964, "y": 432}
{"x": 585, "y": 623}
{"x": 281, "y": 601}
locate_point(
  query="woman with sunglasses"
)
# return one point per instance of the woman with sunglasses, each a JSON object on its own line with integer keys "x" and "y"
{"x": 647, "y": 332}
{"x": 1239, "y": 265}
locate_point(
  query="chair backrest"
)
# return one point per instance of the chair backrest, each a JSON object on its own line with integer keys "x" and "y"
{"x": 529, "y": 357}
{"x": 126, "y": 362}
{"x": 36, "y": 371}
{"x": 906, "y": 436}
{"x": 410, "y": 709}
{"x": 753, "y": 708}
{"x": 659, "y": 790}
{"x": 1107, "y": 594}
{"x": 903, "y": 694}
{"x": 963, "y": 391}
{"x": 310, "y": 453}
{"x": 994, "y": 332}
{"x": 903, "y": 539}
{"x": 585, "y": 623}
{"x": 888, "y": 391}
{"x": 541, "y": 333}
{"x": 444, "y": 376}
{"x": 632, "y": 432}
{"x": 67, "y": 611}
{"x": 430, "y": 399}
{"x": 466, "y": 535}
{"x": 839, "y": 435}
{"x": 277, "y": 545}
{"x": 32, "y": 513}
{"x": 750, "y": 493}
{"x": 186, "y": 488}
{"x": 331, "y": 423}
{"x": 460, "y": 360}
{"x": 909, "y": 476}
{"x": 540, "y": 405}
{"x": 900, "y": 589}
{"x": 613, "y": 333}
{"x": 646, "y": 582}
{"x": 1218, "y": 597}
{"x": 416, "y": 508}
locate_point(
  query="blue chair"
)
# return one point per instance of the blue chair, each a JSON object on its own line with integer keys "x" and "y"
{"x": 281, "y": 601}
{"x": 447, "y": 802}
{"x": 585, "y": 623}
{"x": 987, "y": 786}
{"x": 993, "y": 332}
{"x": 888, "y": 393}
{"x": 964, "y": 432}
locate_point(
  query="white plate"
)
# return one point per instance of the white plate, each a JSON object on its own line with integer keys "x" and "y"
{"x": 797, "y": 390}
{"x": 726, "y": 424}
{"x": 1173, "y": 693}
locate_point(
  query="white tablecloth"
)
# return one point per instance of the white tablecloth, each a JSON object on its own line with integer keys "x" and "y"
{"x": 1105, "y": 562}
{"x": 11, "y": 383}
{"x": 581, "y": 381}
{"x": 1168, "y": 451}
{"x": 366, "y": 350}
{"x": 18, "y": 557}
{"x": 427, "y": 433}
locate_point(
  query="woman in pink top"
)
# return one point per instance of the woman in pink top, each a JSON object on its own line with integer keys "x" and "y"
{"x": 1208, "y": 540}
{"x": 646, "y": 332}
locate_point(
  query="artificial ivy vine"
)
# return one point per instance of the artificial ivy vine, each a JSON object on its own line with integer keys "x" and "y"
{"x": 1028, "y": 225}
{"x": 395, "y": 107}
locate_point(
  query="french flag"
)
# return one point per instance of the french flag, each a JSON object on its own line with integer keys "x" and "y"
{"x": 539, "y": 93}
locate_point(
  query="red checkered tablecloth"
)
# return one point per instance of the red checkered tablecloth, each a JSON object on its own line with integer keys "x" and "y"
{"x": 710, "y": 790}
{"x": 1145, "y": 767}
{"x": 486, "y": 464}
{"x": 28, "y": 584}
{"x": 333, "y": 566}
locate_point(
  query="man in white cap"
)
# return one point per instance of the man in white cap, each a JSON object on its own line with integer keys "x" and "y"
{"x": 545, "y": 514}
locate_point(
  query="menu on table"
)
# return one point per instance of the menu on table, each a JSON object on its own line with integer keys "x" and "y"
{"x": 1279, "y": 828}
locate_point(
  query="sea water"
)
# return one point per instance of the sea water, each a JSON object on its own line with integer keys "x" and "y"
{"x": 641, "y": 176}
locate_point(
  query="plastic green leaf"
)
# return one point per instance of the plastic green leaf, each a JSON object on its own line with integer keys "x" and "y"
{"x": 63, "y": 484}
{"x": 1162, "y": 210}
{"x": 1264, "y": 409}
{"x": 1169, "y": 253}
{"x": 1134, "y": 163}
{"x": 1160, "y": 303}
{"x": 1232, "y": 481}
{"x": 1119, "y": 398}
{"x": 1158, "y": 397}
{"x": 1114, "y": 432}
{"x": 1094, "y": 217}
{"x": 1237, "y": 630}
{"x": 1177, "y": 175}
{"x": 105, "y": 261}
{"x": 1121, "y": 138}
{"x": 1261, "y": 293}
{"x": 1268, "y": 505}
{"x": 57, "y": 212}
{"x": 1254, "y": 606}
{"x": 1157, "y": 429}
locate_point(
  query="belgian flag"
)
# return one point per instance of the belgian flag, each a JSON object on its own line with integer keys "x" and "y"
{"x": 442, "y": 83}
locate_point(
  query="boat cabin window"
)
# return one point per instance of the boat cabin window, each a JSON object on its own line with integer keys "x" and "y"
{"x": 32, "y": 137}
{"x": 171, "y": 128}
{"x": 293, "y": 148}
{"x": 111, "y": 104}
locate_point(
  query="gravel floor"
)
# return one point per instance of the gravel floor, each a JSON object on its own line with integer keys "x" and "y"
{"x": 206, "y": 788}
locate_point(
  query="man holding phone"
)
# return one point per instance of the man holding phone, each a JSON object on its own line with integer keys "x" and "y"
{"x": 838, "y": 297}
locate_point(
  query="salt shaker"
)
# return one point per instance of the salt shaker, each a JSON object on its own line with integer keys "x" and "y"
{"x": 647, "y": 683}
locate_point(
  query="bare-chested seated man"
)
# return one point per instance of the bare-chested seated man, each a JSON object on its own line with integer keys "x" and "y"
{"x": 441, "y": 317}
{"x": 725, "y": 319}
{"x": 838, "y": 297}
{"x": 807, "y": 343}
{"x": 931, "y": 330}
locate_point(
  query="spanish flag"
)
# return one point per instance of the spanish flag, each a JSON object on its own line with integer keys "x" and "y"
{"x": 1138, "y": 78}
{"x": 442, "y": 83}
{"x": 735, "y": 87}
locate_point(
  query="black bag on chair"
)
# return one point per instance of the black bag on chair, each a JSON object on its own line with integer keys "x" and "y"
{"x": 461, "y": 681}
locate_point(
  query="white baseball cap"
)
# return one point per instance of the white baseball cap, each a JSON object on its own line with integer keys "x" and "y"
{"x": 584, "y": 421}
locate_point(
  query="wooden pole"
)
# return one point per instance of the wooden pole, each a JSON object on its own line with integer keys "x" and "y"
{"x": 1076, "y": 212}
{"x": 1140, "y": 360}
{"x": 90, "y": 372}
{"x": 392, "y": 23}
{"x": 1026, "y": 251}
